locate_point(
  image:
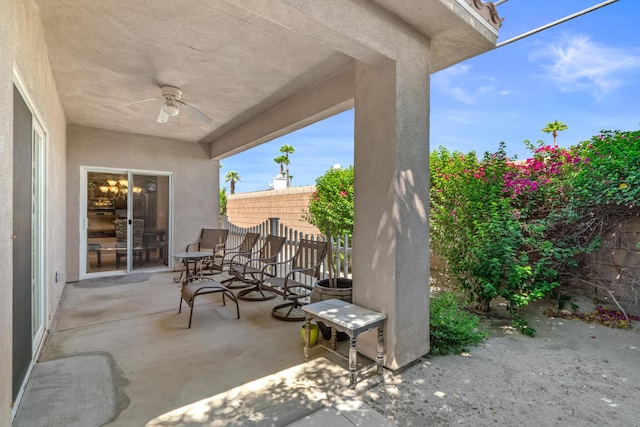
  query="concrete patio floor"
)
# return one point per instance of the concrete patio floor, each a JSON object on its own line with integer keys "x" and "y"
{"x": 119, "y": 354}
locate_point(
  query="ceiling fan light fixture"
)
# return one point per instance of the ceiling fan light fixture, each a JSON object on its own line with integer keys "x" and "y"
{"x": 170, "y": 108}
{"x": 172, "y": 104}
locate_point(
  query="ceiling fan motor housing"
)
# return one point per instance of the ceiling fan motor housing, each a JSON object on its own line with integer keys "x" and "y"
{"x": 173, "y": 104}
{"x": 171, "y": 93}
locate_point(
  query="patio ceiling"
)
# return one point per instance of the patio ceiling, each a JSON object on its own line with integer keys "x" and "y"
{"x": 233, "y": 59}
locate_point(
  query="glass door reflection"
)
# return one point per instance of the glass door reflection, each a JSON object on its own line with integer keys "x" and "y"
{"x": 150, "y": 206}
{"x": 127, "y": 221}
{"x": 107, "y": 221}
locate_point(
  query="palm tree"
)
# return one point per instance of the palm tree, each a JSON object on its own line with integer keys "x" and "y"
{"x": 554, "y": 128}
{"x": 287, "y": 149}
{"x": 232, "y": 177}
{"x": 281, "y": 160}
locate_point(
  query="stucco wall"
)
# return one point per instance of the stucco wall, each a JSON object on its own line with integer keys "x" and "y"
{"x": 248, "y": 209}
{"x": 195, "y": 179}
{"x": 22, "y": 45}
{"x": 7, "y": 37}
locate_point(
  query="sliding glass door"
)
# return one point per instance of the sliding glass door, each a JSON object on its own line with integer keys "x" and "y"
{"x": 150, "y": 204}
{"x": 127, "y": 221}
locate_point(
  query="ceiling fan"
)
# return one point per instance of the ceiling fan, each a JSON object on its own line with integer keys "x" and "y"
{"x": 172, "y": 104}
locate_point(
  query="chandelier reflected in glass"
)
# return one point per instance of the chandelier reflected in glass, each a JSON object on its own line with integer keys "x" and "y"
{"x": 118, "y": 189}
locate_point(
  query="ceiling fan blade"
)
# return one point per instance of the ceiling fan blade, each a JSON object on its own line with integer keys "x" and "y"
{"x": 163, "y": 117}
{"x": 142, "y": 100}
{"x": 197, "y": 112}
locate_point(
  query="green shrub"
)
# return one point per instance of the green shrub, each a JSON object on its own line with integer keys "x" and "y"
{"x": 506, "y": 229}
{"x": 452, "y": 328}
{"x": 223, "y": 201}
{"x": 609, "y": 178}
{"x": 331, "y": 205}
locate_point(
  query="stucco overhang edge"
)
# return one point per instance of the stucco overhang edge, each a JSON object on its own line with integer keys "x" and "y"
{"x": 319, "y": 101}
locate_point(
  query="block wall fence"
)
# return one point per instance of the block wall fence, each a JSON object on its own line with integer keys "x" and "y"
{"x": 289, "y": 205}
{"x": 616, "y": 265}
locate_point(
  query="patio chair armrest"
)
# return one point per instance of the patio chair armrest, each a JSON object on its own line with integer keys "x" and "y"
{"x": 235, "y": 248}
{"x": 252, "y": 266}
{"x": 196, "y": 244}
{"x": 268, "y": 264}
{"x": 273, "y": 262}
{"x": 291, "y": 275}
{"x": 286, "y": 286}
{"x": 229, "y": 254}
{"x": 264, "y": 266}
{"x": 229, "y": 258}
{"x": 235, "y": 259}
{"x": 302, "y": 270}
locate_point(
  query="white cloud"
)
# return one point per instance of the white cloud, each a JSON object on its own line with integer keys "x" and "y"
{"x": 454, "y": 82}
{"x": 575, "y": 63}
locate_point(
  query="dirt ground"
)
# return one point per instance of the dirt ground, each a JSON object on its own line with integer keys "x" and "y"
{"x": 572, "y": 373}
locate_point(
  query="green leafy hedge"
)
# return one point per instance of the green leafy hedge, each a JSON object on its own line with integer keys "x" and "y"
{"x": 452, "y": 329}
{"x": 331, "y": 205}
{"x": 513, "y": 229}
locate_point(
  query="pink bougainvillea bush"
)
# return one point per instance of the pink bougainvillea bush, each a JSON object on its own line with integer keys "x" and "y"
{"x": 514, "y": 229}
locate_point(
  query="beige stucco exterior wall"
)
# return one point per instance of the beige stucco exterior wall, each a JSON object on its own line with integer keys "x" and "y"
{"x": 249, "y": 209}
{"x": 22, "y": 45}
{"x": 390, "y": 227}
{"x": 7, "y": 36}
{"x": 195, "y": 199}
{"x": 391, "y": 217}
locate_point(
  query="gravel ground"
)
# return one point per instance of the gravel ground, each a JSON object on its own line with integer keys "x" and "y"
{"x": 572, "y": 373}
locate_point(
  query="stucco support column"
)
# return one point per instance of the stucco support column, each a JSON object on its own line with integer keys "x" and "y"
{"x": 391, "y": 240}
{"x": 216, "y": 198}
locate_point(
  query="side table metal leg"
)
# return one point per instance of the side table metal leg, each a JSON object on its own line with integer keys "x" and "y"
{"x": 186, "y": 272}
{"x": 380, "y": 355}
{"x": 353, "y": 356}
{"x": 307, "y": 333}
{"x": 334, "y": 338}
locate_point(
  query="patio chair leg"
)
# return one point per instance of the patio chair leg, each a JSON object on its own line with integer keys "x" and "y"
{"x": 215, "y": 289}
{"x": 190, "y": 314}
{"x": 244, "y": 295}
{"x": 237, "y": 309}
{"x": 298, "y": 315}
{"x": 234, "y": 299}
{"x": 231, "y": 284}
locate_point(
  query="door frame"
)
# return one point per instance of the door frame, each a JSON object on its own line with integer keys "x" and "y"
{"x": 39, "y": 218}
{"x": 39, "y": 228}
{"x": 83, "y": 223}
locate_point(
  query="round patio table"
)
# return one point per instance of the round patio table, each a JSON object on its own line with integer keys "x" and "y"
{"x": 189, "y": 257}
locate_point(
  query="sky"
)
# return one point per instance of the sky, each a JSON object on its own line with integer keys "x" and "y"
{"x": 584, "y": 73}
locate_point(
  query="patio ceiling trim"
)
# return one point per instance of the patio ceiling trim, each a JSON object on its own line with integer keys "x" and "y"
{"x": 344, "y": 26}
{"x": 366, "y": 31}
{"x": 318, "y": 102}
